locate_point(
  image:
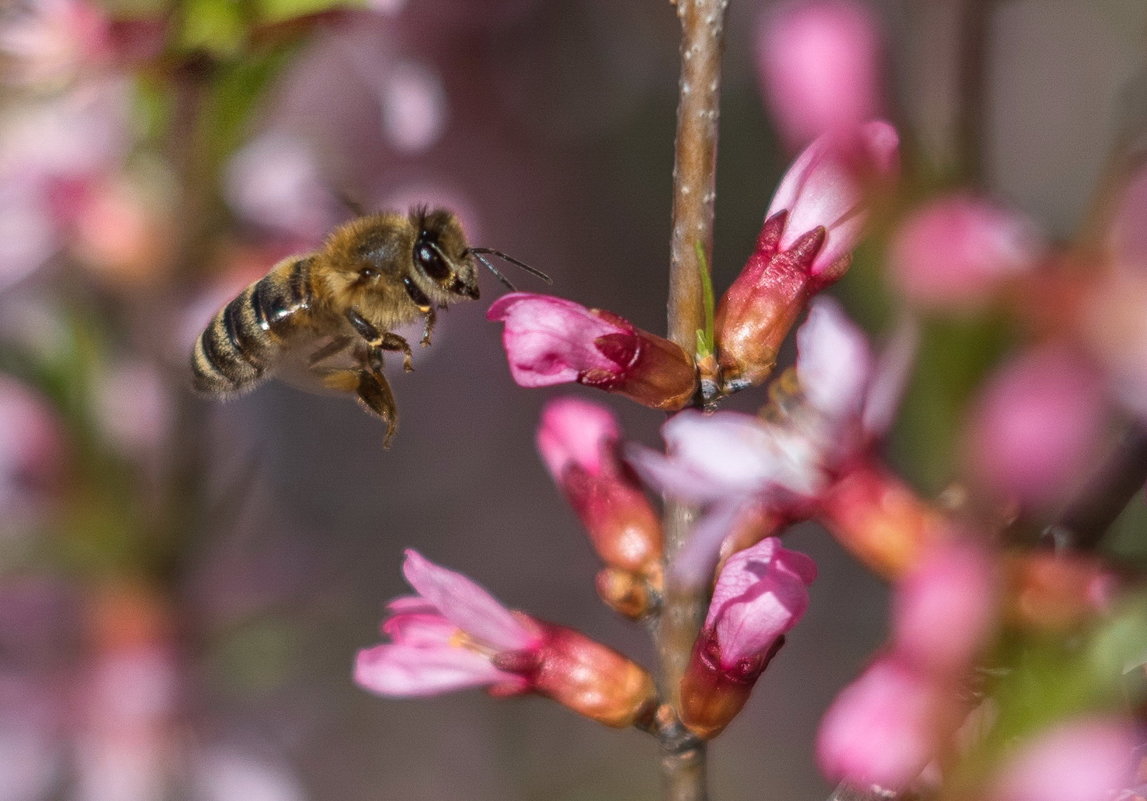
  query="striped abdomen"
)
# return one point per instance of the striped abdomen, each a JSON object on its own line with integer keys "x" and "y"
{"x": 248, "y": 334}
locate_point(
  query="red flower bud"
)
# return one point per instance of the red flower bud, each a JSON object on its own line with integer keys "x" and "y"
{"x": 815, "y": 220}
{"x": 579, "y": 442}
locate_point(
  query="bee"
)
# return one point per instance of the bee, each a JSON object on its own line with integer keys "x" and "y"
{"x": 372, "y": 274}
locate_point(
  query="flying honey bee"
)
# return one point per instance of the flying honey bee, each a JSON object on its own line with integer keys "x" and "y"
{"x": 372, "y": 274}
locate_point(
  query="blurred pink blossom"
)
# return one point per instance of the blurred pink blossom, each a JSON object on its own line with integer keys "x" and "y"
{"x": 414, "y": 106}
{"x": 391, "y": 7}
{"x": 32, "y": 457}
{"x": 275, "y": 181}
{"x": 49, "y": 42}
{"x": 885, "y": 727}
{"x": 1036, "y": 424}
{"x": 133, "y": 408}
{"x": 1127, "y": 235}
{"x": 945, "y": 608}
{"x": 760, "y": 595}
{"x": 550, "y": 340}
{"x": 1086, "y": 759}
{"x": 729, "y": 456}
{"x": 28, "y": 233}
{"x": 956, "y": 251}
{"x": 819, "y": 65}
{"x": 230, "y": 773}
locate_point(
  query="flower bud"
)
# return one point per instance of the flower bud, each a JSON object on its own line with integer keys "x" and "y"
{"x": 815, "y": 220}
{"x": 591, "y": 679}
{"x": 878, "y": 518}
{"x": 579, "y": 442}
{"x": 761, "y": 594}
{"x": 550, "y": 340}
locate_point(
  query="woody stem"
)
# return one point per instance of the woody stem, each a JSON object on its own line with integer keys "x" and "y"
{"x": 691, "y": 245}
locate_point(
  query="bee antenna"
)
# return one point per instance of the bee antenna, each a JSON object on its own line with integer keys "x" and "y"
{"x": 481, "y": 253}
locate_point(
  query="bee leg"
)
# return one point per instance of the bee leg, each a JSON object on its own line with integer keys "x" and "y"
{"x": 373, "y": 392}
{"x": 375, "y": 395}
{"x": 379, "y": 341}
{"x": 431, "y": 317}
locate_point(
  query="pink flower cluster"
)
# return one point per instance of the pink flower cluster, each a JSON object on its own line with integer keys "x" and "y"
{"x": 813, "y": 453}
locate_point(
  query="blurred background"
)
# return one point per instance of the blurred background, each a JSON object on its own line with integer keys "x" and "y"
{"x": 184, "y": 583}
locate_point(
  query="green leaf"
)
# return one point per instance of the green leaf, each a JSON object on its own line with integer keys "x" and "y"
{"x": 705, "y": 342}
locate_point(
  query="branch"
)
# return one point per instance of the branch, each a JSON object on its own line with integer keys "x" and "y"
{"x": 691, "y": 247}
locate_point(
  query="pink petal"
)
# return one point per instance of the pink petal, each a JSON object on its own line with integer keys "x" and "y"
{"x": 761, "y": 593}
{"x": 550, "y": 340}
{"x": 468, "y": 606}
{"x": 400, "y": 670}
{"x": 890, "y": 376}
{"x": 694, "y": 564}
{"x": 834, "y": 363}
{"x": 741, "y": 454}
{"x": 819, "y": 67}
{"x": 574, "y": 431}
{"x": 956, "y": 251}
{"x": 1082, "y": 760}
{"x": 420, "y": 630}
{"x": 828, "y": 184}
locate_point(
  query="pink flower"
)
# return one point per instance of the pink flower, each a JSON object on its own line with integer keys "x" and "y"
{"x": 956, "y": 251}
{"x": 729, "y": 455}
{"x": 761, "y": 593}
{"x": 1035, "y": 426}
{"x": 580, "y": 444}
{"x": 885, "y": 727}
{"x": 444, "y": 638}
{"x": 810, "y": 454}
{"x": 454, "y": 635}
{"x": 1087, "y": 759}
{"x": 550, "y": 340}
{"x": 815, "y": 220}
{"x": 819, "y": 64}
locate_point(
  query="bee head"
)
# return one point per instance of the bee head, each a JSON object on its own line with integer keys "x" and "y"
{"x": 443, "y": 269}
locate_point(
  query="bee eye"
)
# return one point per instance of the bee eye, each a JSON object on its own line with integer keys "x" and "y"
{"x": 430, "y": 259}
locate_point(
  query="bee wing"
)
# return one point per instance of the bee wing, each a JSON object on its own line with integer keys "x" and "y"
{"x": 307, "y": 362}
